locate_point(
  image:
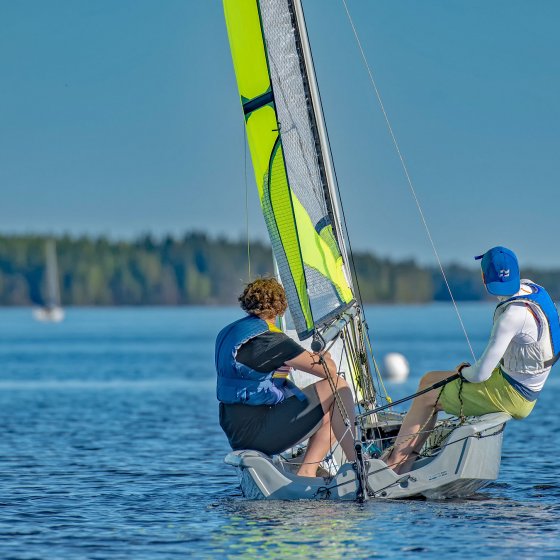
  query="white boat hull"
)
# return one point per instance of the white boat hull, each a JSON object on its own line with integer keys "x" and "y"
{"x": 49, "y": 315}
{"x": 468, "y": 460}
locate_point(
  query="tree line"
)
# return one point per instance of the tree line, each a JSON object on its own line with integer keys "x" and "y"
{"x": 199, "y": 270}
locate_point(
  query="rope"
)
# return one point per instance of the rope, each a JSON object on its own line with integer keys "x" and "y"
{"x": 342, "y": 410}
{"x": 407, "y": 175}
{"x": 334, "y": 387}
{"x": 360, "y": 356}
{"x": 352, "y": 360}
{"x": 377, "y": 370}
{"x": 460, "y": 395}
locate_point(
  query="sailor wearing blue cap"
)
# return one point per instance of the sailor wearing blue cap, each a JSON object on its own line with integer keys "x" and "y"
{"x": 508, "y": 377}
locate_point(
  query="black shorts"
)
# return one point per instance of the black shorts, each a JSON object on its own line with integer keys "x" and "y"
{"x": 272, "y": 429}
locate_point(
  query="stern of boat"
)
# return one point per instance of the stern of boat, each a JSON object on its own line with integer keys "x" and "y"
{"x": 264, "y": 478}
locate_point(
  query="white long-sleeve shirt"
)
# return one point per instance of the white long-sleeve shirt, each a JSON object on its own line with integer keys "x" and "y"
{"x": 517, "y": 323}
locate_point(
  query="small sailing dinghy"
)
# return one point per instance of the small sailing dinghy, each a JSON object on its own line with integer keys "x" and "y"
{"x": 299, "y": 199}
{"x": 51, "y": 311}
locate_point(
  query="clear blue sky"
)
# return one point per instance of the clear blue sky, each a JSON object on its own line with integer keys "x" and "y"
{"x": 119, "y": 117}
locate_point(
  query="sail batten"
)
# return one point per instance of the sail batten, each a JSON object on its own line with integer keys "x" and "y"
{"x": 288, "y": 151}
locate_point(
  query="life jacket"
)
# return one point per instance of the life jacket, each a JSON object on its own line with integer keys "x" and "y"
{"x": 241, "y": 384}
{"x": 543, "y": 353}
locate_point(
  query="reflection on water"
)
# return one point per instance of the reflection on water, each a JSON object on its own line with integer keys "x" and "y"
{"x": 281, "y": 529}
{"x": 111, "y": 448}
{"x": 486, "y": 526}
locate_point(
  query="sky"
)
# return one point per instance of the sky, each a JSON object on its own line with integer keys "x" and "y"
{"x": 119, "y": 118}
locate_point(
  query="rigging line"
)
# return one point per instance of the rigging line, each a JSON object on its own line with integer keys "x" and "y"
{"x": 246, "y": 200}
{"x": 352, "y": 352}
{"x": 405, "y": 169}
{"x": 353, "y": 369}
{"x": 377, "y": 370}
{"x": 334, "y": 388}
{"x": 358, "y": 337}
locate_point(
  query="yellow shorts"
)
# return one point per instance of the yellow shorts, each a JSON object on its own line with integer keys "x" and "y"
{"x": 493, "y": 395}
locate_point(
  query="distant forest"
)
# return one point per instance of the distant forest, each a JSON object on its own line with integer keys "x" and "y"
{"x": 199, "y": 270}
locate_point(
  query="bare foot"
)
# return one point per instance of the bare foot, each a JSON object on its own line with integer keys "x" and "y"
{"x": 307, "y": 471}
{"x": 386, "y": 455}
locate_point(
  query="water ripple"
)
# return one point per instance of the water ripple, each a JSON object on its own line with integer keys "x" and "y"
{"x": 111, "y": 449}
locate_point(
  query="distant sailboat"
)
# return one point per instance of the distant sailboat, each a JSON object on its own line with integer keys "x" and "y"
{"x": 51, "y": 311}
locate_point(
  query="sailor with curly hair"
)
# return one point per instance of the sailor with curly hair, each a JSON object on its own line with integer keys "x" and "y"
{"x": 260, "y": 408}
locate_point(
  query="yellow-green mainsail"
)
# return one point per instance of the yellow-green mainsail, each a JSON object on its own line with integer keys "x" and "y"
{"x": 306, "y": 250}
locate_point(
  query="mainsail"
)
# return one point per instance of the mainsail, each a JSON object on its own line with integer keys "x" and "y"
{"x": 291, "y": 157}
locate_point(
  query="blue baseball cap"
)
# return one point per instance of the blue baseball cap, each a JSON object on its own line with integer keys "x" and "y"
{"x": 500, "y": 271}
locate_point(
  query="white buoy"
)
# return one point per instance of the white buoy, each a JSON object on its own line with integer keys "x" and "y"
{"x": 395, "y": 367}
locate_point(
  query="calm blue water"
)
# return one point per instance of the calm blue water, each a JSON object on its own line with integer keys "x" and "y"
{"x": 110, "y": 448}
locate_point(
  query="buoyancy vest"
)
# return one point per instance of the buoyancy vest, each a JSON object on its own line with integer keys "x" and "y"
{"x": 536, "y": 357}
{"x": 240, "y": 384}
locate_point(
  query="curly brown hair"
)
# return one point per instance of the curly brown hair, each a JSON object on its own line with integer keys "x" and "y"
{"x": 264, "y": 296}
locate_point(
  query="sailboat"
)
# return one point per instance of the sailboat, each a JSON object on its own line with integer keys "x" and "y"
{"x": 299, "y": 197}
{"x": 51, "y": 311}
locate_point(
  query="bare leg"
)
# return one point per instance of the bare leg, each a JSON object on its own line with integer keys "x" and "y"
{"x": 319, "y": 444}
{"x": 317, "y": 447}
{"x": 343, "y": 432}
{"x": 407, "y": 464}
{"x": 421, "y": 416}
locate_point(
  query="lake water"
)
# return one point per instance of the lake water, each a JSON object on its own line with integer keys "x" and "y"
{"x": 111, "y": 449}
